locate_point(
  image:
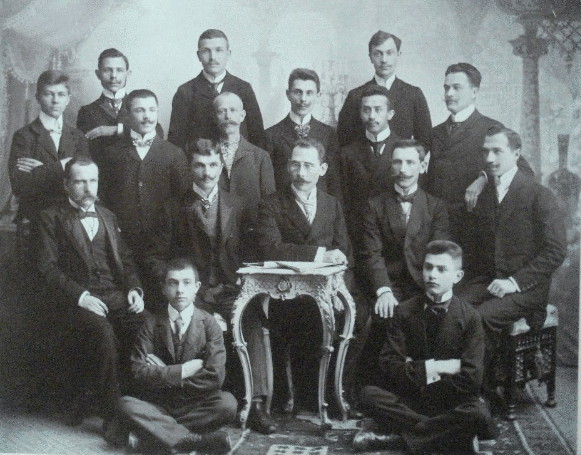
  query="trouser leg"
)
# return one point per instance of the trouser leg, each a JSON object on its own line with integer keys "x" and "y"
{"x": 207, "y": 413}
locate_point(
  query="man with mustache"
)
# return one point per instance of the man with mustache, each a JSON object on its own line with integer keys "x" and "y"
{"x": 140, "y": 173}
{"x": 412, "y": 116}
{"x": 303, "y": 92}
{"x": 191, "y": 116}
{"x": 247, "y": 170}
{"x": 90, "y": 271}
{"x": 397, "y": 226}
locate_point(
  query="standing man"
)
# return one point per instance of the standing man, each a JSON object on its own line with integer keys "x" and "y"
{"x": 455, "y": 173}
{"x": 303, "y": 92}
{"x": 191, "y": 115}
{"x": 89, "y": 269}
{"x": 140, "y": 173}
{"x": 412, "y": 116}
{"x": 104, "y": 120}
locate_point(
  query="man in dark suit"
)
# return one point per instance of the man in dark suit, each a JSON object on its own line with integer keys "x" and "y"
{"x": 521, "y": 241}
{"x": 140, "y": 172}
{"x": 431, "y": 363}
{"x": 303, "y": 91}
{"x": 178, "y": 366}
{"x": 205, "y": 227}
{"x": 41, "y": 149}
{"x": 104, "y": 121}
{"x": 456, "y": 171}
{"x": 412, "y": 116}
{"x": 397, "y": 226}
{"x": 90, "y": 271}
{"x": 191, "y": 116}
{"x": 247, "y": 170}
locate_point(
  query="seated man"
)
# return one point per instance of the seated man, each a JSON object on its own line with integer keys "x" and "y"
{"x": 88, "y": 267}
{"x": 178, "y": 366}
{"x": 521, "y": 241}
{"x": 205, "y": 227}
{"x": 302, "y": 223}
{"x": 397, "y": 226}
{"x": 41, "y": 149}
{"x": 431, "y": 364}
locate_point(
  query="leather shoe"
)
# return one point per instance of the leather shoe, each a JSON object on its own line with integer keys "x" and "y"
{"x": 260, "y": 421}
{"x": 217, "y": 442}
{"x": 366, "y": 440}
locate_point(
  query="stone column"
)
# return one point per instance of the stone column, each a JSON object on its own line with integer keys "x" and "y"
{"x": 530, "y": 48}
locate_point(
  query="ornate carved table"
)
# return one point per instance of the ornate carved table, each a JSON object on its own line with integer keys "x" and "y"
{"x": 324, "y": 285}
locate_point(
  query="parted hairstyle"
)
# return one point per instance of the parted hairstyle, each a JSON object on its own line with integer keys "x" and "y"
{"x": 177, "y": 264}
{"x": 381, "y": 37}
{"x": 411, "y": 143}
{"x": 446, "y": 247}
{"x": 470, "y": 71}
{"x": 139, "y": 93}
{"x": 52, "y": 77}
{"x": 304, "y": 74}
{"x": 308, "y": 143}
{"x": 80, "y": 160}
{"x": 112, "y": 53}
{"x": 373, "y": 89}
{"x": 514, "y": 140}
{"x": 212, "y": 33}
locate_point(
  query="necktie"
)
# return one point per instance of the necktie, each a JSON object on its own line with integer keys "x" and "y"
{"x": 302, "y": 130}
{"x": 376, "y": 146}
{"x": 205, "y": 204}
{"x": 454, "y": 125}
{"x": 115, "y": 103}
{"x": 434, "y": 313}
{"x": 179, "y": 325}
{"x": 83, "y": 214}
{"x": 215, "y": 87}
{"x": 142, "y": 142}
{"x": 309, "y": 210}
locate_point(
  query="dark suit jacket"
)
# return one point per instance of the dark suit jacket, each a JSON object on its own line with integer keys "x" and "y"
{"x": 64, "y": 256}
{"x": 280, "y": 140}
{"x": 192, "y": 114}
{"x": 284, "y": 233}
{"x": 460, "y": 336}
{"x": 524, "y": 237}
{"x": 164, "y": 385}
{"x": 136, "y": 189}
{"x": 42, "y": 187}
{"x": 364, "y": 176}
{"x": 181, "y": 234}
{"x": 456, "y": 158}
{"x": 412, "y": 116}
{"x": 428, "y": 221}
{"x": 100, "y": 113}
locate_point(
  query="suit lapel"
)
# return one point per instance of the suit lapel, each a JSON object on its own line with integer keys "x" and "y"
{"x": 67, "y": 142}
{"x": 166, "y": 333}
{"x": 366, "y": 156}
{"x": 465, "y": 129}
{"x": 204, "y": 87}
{"x": 154, "y": 151}
{"x": 225, "y": 211}
{"x": 294, "y": 214}
{"x": 418, "y": 211}
{"x": 75, "y": 230}
{"x": 192, "y": 339}
{"x": 112, "y": 236}
{"x": 393, "y": 210}
{"x": 321, "y": 220}
{"x": 509, "y": 202}
{"x": 418, "y": 328}
{"x": 44, "y": 139}
{"x": 106, "y": 108}
{"x": 241, "y": 152}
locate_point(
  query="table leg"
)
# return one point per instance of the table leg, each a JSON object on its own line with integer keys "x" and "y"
{"x": 346, "y": 336}
{"x": 326, "y": 309}
{"x": 268, "y": 351}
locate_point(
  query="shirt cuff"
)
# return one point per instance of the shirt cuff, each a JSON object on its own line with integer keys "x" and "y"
{"x": 119, "y": 129}
{"x": 513, "y": 281}
{"x": 383, "y": 290}
{"x": 431, "y": 372}
{"x": 138, "y": 290}
{"x": 82, "y": 297}
{"x": 320, "y": 253}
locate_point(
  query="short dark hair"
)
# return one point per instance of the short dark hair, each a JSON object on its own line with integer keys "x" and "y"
{"x": 308, "y": 143}
{"x": 139, "y": 93}
{"x": 470, "y": 71}
{"x": 212, "y": 33}
{"x": 304, "y": 74}
{"x": 445, "y": 247}
{"x": 180, "y": 264}
{"x": 375, "y": 89}
{"x": 52, "y": 77}
{"x": 205, "y": 147}
{"x": 513, "y": 138}
{"x": 112, "y": 53}
{"x": 381, "y": 37}
{"x": 411, "y": 143}
{"x": 81, "y": 160}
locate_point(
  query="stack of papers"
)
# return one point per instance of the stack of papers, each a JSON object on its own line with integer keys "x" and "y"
{"x": 297, "y": 266}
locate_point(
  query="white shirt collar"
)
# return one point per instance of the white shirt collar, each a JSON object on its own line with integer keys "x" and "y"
{"x": 78, "y": 207}
{"x": 186, "y": 314}
{"x": 463, "y": 114}
{"x": 399, "y": 189}
{"x": 445, "y": 297}
{"x": 296, "y": 119}
{"x": 200, "y": 192}
{"x": 311, "y": 198}
{"x": 219, "y": 78}
{"x": 382, "y": 136}
{"x": 506, "y": 178}
{"x": 116, "y": 96}
{"x": 387, "y": 83}
{"x": 50, "y": 123}
{"x": 135, "y": 135}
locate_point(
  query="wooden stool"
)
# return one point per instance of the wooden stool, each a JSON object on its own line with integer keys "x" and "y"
{"x": 527, "y": 354}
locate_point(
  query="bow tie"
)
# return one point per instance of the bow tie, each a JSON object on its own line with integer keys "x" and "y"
{"x": 55, "y": 131}
{"x": 83, "y": 214}
{"x": 115, "y": 103}
{"x": 406, "y": 197}
{"x": 439, "y": 309}
{"x": 142, "y": 142}
{"x": 302, "y": 130}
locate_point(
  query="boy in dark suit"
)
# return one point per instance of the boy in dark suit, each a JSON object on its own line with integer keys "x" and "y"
{"x": 191, "y": 116}
{"x": 41, "y": 149}
{"x": 412, "y": 116}
{"x": 431, "y": 364}
{"x": 178, "y": 366}
{"x": 303, "y": 91}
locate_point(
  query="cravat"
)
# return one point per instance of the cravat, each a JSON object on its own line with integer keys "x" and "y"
{"x": 142, "y": 142}
{"x": 496, "y": 181}
{"x": 406, "y": 197}
{"x": 83, "y": 214}
{"x": 205, "y": 204}
{"x": 309, "y": 210}
{"x": 228, "y": 150}
{"x": 302, "y": 130}
{"x": 454, "y": 125}
{"x": 115, "y": 103}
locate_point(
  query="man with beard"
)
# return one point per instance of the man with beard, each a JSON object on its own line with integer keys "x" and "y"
{"x": 89, "y": 269}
